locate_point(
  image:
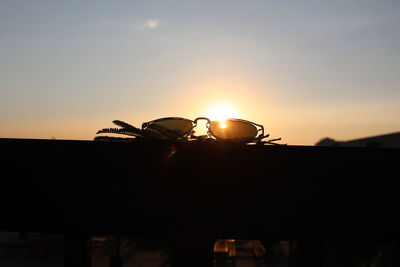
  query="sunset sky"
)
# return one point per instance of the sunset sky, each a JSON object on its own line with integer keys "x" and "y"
{"x": 304, "y": 69}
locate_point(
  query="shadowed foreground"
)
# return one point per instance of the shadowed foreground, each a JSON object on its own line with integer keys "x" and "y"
{"x": 193, "y": 194}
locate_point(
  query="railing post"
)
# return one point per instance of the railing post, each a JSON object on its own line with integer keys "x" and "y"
{"x": 192, "y": 251}
{"x": 77, "y": 250}
{"x": 310, "y": 253}
{"x": 116, "y": 259}
{"x": 396, "y": 253}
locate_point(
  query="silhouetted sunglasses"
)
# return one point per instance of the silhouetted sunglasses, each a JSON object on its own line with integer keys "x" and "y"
{"x": 230, "y": 129}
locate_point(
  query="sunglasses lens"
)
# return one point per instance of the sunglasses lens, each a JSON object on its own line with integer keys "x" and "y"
{"x": 233, "y": 130}
{"x": 170, "y": 128}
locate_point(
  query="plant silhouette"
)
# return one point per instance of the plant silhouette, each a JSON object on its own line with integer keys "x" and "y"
{"x": 155, "y": 131}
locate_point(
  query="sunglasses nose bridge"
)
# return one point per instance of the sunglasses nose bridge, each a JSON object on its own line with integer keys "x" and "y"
{"x": 202, "y": 118}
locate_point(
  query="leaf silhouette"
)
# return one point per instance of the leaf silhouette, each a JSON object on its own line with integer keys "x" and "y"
{"x": 131, "y": 132}
{"x": 123, "y": 124}
{"x": 112, "y": 138}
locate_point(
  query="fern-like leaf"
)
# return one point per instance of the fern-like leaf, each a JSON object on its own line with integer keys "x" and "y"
{"x": 127, "y": 126}
{"x": 136, "y": 133}
{"x": 123, "y": 124}
{"x": 112, "y": 138}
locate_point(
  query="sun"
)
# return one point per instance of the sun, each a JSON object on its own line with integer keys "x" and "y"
{"x": 221, "y": 112}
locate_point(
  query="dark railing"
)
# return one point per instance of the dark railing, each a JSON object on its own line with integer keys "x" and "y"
{"x": 193, "y": 194}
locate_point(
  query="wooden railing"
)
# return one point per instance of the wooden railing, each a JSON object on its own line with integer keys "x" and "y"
{"x": 193, "y": 193}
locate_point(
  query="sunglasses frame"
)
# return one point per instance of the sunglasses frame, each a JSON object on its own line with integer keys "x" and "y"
{"x": 257, "y": 139}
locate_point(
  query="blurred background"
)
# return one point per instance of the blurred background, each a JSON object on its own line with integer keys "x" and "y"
{"x": 45, "y": 250}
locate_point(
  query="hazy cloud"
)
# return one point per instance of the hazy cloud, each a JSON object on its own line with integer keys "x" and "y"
{"x": 128, "y": 24}
{"x": 150, "y": 24}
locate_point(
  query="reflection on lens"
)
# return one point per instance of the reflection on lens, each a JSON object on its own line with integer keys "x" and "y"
{"x": 170, "y": 128}
{"x": 233, "y": 130}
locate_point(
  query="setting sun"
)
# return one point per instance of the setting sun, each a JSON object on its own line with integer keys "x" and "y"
{"x": 221, "y": 112}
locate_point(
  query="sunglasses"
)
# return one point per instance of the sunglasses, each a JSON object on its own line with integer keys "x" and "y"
{"x": 175, "y": 128}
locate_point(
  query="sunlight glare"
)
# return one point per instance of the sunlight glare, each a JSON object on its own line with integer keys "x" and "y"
{"x": 221, "y": 112}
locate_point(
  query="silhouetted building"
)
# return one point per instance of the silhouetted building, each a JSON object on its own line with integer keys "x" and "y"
{"x": 386, "y": 140}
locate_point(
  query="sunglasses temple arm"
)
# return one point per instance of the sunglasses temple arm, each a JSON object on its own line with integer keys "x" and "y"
{"x": 276, "y": 139}
{"x": 262, "y": 136}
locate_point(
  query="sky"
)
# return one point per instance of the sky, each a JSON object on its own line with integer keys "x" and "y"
{"x": 304, "y": 69}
